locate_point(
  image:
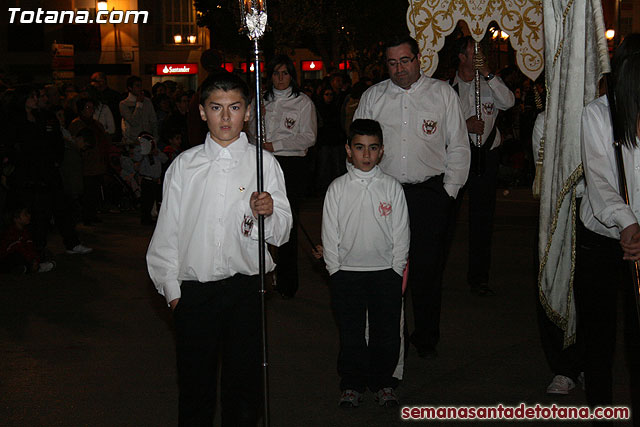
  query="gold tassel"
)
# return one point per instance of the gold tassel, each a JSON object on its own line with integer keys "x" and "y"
{"x": 537, "y": 181}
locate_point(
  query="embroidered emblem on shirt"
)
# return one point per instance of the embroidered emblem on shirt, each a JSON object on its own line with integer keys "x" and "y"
{"x": 247, "y": 225}
{"x": 289, "y": 122}
{"x": 384, "y": 208}
{"x": 429, "y": 127}
{"x": 241, "y": 189}
{"x": 488, "y": 108}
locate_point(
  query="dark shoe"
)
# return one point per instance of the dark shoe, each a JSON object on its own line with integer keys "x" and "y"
{"x": 428, "y": 353}
{"x": 284, "y": 295}
{"x": 485, "y": 291}
{"x": 424, "y": 352}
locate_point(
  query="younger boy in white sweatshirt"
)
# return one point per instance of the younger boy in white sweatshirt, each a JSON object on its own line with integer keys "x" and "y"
{"x": 365, "y": 235}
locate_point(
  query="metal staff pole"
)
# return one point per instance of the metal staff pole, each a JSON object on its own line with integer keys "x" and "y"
{"x": 254, "y": 21}
{"x": 476, "y": 80}
{"x": 477, "y": 145}
{"x": 622, "y": 185}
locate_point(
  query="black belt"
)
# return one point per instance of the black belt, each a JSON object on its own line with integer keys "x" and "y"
{"x": 433, "y": 180}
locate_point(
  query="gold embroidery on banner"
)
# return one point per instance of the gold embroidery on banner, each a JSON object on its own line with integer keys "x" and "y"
{"x": 431, "y": 20}
{"x": 564, "y": 20}
{"x": 569, "y": 185}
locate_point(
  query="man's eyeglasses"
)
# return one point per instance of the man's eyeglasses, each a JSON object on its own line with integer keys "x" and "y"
{"x": 402, "y": 61}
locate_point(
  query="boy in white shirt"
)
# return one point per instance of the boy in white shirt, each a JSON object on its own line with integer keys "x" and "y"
{"x": 203, "y": 258}
{"x": 365, "y": 238}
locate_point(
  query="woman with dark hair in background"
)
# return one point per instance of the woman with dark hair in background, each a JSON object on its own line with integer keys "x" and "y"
{"x": 290, "y": 129}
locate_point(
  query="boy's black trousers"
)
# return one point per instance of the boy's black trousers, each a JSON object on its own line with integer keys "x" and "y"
{"x": 223, "y": 319}
{"x": 352, "y": 294}
{"x": 601, "y": 275}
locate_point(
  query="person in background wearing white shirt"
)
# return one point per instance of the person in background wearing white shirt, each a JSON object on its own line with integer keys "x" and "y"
{"x": 137, "y": 113}
{"x": 290, "y": 129}
{"x": 365, "y": 238}
{"x": 103, "y": 115}
{"x": 608, "y": 232}
{"x": 481, "y": 185}
{"x": 203, "y": 258}
{"x": 426, "y": 149}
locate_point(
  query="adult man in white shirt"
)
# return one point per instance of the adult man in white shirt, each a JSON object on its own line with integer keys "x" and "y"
{"x": 137, "y": 113}
{"x": 426, "y": 150}
{"x": 481, "y": 185}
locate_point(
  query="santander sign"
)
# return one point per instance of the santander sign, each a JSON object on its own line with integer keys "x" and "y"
{"x": 169, "y": 69}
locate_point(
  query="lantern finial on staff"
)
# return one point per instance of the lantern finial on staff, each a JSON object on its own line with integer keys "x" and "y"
{"x": 253, "y": 18}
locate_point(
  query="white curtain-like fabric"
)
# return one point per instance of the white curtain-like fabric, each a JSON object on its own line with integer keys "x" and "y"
{"x": 575, "y": 58}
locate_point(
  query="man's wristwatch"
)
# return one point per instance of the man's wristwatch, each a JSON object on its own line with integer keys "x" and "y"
{"x": 489, "y": 77}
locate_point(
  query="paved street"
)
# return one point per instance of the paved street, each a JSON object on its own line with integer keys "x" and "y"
{"x": 91, "y": 344}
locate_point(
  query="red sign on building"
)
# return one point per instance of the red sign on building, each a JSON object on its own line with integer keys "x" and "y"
{"x": 173, "y": 69}
{"x": 312, "y": 65}
{"x": 243, "y": 67}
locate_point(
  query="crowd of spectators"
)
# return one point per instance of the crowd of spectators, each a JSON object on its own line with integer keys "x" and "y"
{"x": 69, "y": 154}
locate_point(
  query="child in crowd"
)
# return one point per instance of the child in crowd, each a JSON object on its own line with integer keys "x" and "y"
{"x": 16, "y": 246}
{"x": 129, "y": 169}
{"x": 173, "y": 144}
{"x": 71, "y": 171}
{"x": 151, "y": 160}
{"x": 365, "y": 239}
{"x": 203, "y": 257}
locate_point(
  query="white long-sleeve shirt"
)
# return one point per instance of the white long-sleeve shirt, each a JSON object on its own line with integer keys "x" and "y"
{"x": 424, "y": 131}
{"x": 206, "y": 230}
{"x": 104, "y": 115}
{"x": 365, "y": 223}
{"x": 290, "y": 123}
{"x": 137, "y": 117}
{"x": 603, "y": 211}
{"x": 494, "y": 96}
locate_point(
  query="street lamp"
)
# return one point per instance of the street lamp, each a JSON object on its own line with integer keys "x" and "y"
{"x": 610, "y": 34}
{"x": 253, "y": 20}
{"x": 102, "y": 5}
{"x": 177, "y": 39}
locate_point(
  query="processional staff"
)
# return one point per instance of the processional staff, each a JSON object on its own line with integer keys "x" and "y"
{"x": 478, "y": 62}
{"x": 253, "y": 16}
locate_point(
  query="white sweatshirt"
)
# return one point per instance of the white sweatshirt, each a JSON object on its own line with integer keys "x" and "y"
{"x": 290, "y": 123}
{"x": 365, "y": 223}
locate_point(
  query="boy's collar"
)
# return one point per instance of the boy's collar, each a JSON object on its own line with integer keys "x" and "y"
{"x": 212, "y": 149}
{"x": 356, "y": 173}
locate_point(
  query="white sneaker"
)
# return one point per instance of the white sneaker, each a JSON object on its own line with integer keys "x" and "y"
{"x": 79, "y": 249}
{"x": 560, "y": 385}
{"x": 46, "y": 266}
